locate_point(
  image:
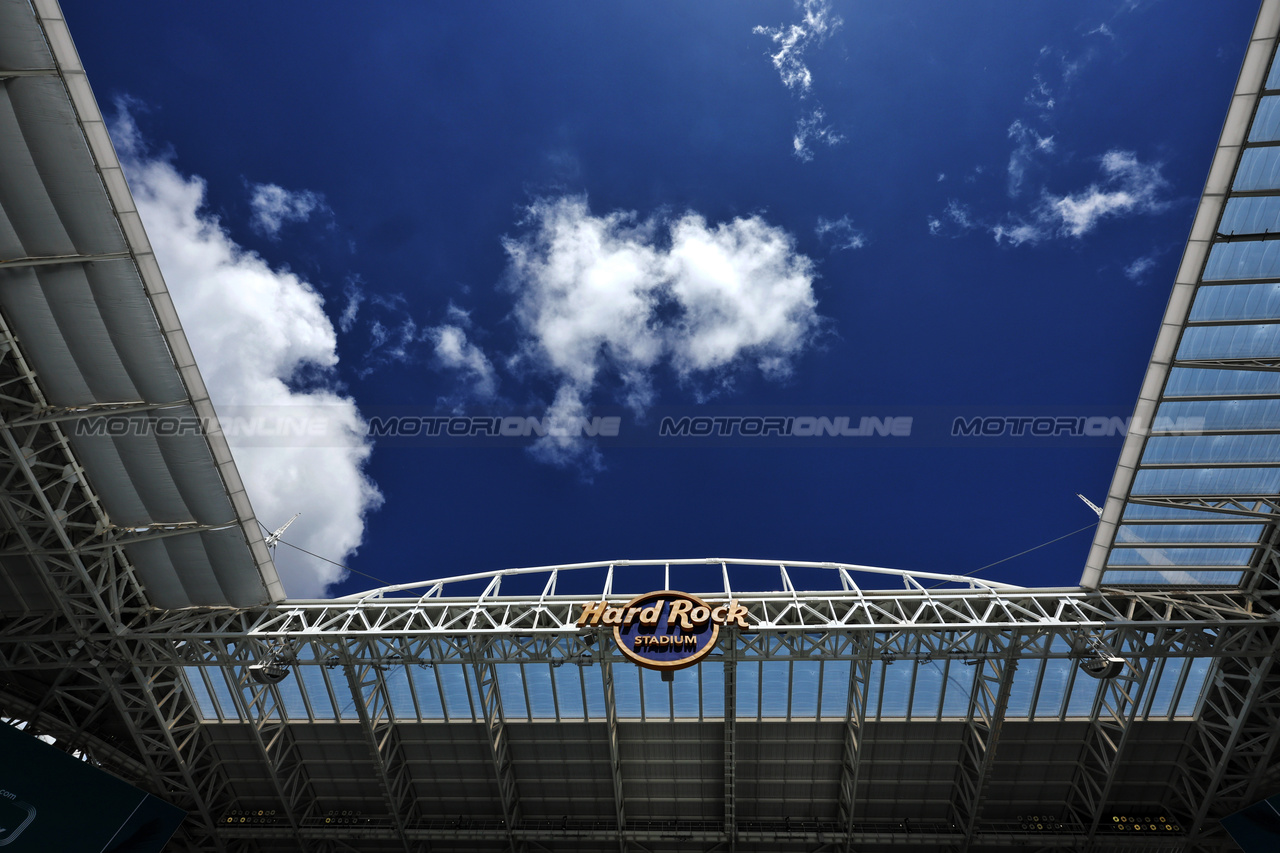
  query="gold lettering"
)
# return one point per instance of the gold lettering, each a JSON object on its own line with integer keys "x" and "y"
{"x": 679, "y": 614}
{"x": 737, "y": 615}
{"x": 631, "y": 615}
{"x": 700, "y": 615}
{"x": 720, "y": 614}
{"x": 650, "y": 615}
{"x": 612, "y": 616}
{"x": 591, "y": 613}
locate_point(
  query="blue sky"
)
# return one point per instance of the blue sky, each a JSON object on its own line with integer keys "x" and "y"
{"x": 664, "y": 209}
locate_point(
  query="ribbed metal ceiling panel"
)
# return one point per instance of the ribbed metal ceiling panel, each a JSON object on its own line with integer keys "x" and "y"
{"x": 81, "y": 293}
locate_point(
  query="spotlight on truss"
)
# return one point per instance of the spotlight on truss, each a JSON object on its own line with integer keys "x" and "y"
{"x": 273, "y": 668}
{"x": 1099, "y": 661}
{"x": 268, "y": 673}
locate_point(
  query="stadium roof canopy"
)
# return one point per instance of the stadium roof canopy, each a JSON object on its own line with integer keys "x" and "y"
{"x": 89, "y": 331}
{"x": 142, "y": 623}
{"x": 1194, "y": 497}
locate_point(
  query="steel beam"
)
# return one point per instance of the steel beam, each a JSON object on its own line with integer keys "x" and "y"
{"x": 55, "y": 260}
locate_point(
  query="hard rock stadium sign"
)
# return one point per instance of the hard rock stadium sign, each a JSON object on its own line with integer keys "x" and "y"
{"x": 665, "y": 630}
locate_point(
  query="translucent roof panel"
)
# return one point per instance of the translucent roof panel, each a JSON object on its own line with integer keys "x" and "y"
{"x": 1218, "y": 416}
{"x": 1179, "y": 533}
{"x": 1243, "y": 260}
{"x": 1259, "y": 170}
{"x": 1239, "y": 301}
{"x": 1252, "y": 215}
{"x": 1214, "y": 382}
{"x": 1251, "y": 341}
{"x": 1212, "y": 449}
{"x": 1180, "y": 556}
{"x": 1173, "y": 577}
{"x": 1266, "y": 124}
{"x": 1207, "y": 481}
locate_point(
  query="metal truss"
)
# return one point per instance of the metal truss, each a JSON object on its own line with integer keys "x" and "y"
{"x": 1228, "y": 757}
{"x": 260, "y": 704}
{"x": 1117, "y": 706}
{"x": 988, "y": 702}
{"x": 615, "y": 748}
{"x": 373, "y": 708}
{"x": 499, "y": 746}
{"x": 851, "y": 759}
{"x": 533, "y": 623}
{"x": 53, "y": 519}
{"x": 731, "y": 738}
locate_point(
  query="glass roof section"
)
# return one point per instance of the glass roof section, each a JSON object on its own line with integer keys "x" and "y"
{"x": 1193, "y": 500}
{"x": 1048, "y": 686}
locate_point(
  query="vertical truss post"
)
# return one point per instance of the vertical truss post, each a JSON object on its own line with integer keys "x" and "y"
{"x": 373, "y": 707}
{"x": 273, "y": 737}
{"x": 1234, "y": 737}
{"x": 499, "y": 747}
{"x": 988, "y": 703}
{"x": 615, "y": 748}
{"x": 730, "y": 642}
{"x": 855, "y": 720}
{"x": 1117, "y": 706}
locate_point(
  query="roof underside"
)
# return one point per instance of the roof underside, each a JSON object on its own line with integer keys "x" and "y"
{"x": 89, "y": 343}
{"x": 1196, "y": 496}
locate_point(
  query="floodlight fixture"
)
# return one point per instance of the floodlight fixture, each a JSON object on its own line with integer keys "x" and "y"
{"x": 1100, "y": 661}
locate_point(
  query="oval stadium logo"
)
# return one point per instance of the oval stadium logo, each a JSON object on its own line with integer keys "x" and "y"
{"x": 665, "y": 630}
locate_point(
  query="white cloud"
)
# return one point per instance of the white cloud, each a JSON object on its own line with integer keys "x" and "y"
{"x": 1028, "y": 143}
{"x": 1138, "y": 270}
{"x": 792, "y": 40}
{"x": 457, "y": 353}
{"x": 615, "y": 296}
{"x": 1040, "y": 96}
{"x": 256, "y": 330}
{"x": 354, "y": 292}
{"x": 810, "y": 129}
{"x": 959, "y": 214}
{"x": 273, "y": 206}
{"x": 1129, "y": 187}
{"x": 935, "y": 225}
{"x": 840, "y": 233}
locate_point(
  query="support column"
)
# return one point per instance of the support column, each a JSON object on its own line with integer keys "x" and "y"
{"x": 615, "y": 750}
{"x": 1118, "y": 705}
{"x": 987, "y": 706}
{"x": 499, "y": 748}
{"x": 730, "y": 646}
{"x": 855, "y": 719}
{"x": 373, "y": 707}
